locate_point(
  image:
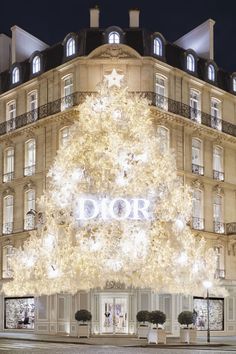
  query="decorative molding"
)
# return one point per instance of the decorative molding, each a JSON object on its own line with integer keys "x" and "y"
{"x": 218, "y": 189}
{"x": 8, "y": 191}
{"x": 114, "y": 285}
{"x": 29, "y": 185}
{"x": 114, "y": 51}
{"x": 197, "y": 184}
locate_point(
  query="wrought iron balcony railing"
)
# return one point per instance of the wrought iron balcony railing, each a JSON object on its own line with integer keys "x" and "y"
{"x": 197, "y": 223}
{"x": 162, "y": 102}
{"x": 29, "y": 222}
{"x": 218, "y": 227}
{"x": 220, "y": 176}
{"x": 7, "y": 228}
{"x": 29, "y": 170}
{"x": 220, "y": 274}
{"x": 197, "y": 169}
{"x": 7, "y": 177}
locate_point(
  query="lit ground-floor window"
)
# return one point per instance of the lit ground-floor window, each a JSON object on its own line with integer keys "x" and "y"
{"x": 19, "y": 313}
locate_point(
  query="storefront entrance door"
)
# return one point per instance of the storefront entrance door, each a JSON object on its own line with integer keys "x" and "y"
{"x": 114, "y": 314}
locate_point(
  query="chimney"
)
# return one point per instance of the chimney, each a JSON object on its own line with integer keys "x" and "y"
{"x": 134, "y": 18}
{"x": 94, "y": 17}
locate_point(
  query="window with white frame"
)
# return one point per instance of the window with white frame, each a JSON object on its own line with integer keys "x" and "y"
{"x": 33, "y": 106}
{"x": 190, "y": 62}
{"x": 195, "y": 105}
{"x": 158, "y": 46}
{"x": 29, "y": 220}
{"x": 220, "y": 267}
{"x": 7, "y": 253}
{"x": 218, "y": 213}
{"x": 30, "y": 157}
{"x": 197, "y": 157}
{"x": 70, "y": 47}
{"x": 163, "y": 137}
{"x": 113, "y": 38}
{"x": 211, "y": 72}
{"x": 160, "y": 88}
{"x": 7, "y": 214}
{"x": 67, "y": 101}
{"x": 216, "y": 121}
{"x": 10, "y": 115}
{"x": 218, "y": 167}
{"x": 36, "y": 64}
{"x": 64, "y": 136}
{"x": 15, "y": 75}
{"x": 197, "y": 220}
{"x": 234, "y": 84}
{"x": 8, "y": 174}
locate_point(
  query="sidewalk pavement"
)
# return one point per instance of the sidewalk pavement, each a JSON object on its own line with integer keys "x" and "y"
{"x": 121, "y": 341}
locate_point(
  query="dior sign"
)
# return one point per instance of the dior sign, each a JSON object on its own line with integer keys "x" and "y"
{"x": 117, "y": 208}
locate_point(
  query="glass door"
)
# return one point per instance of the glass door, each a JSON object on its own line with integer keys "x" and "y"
{"x": 114, "y": 315}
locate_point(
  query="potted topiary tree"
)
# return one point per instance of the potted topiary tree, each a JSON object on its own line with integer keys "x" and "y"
{"x": 83, "y": 317}
{"x": 143, "y": 318}
{"x": 188, "y": 333}
{"x": 158, "y": 318}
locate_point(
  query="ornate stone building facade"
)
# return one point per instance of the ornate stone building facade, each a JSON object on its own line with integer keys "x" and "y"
{"x": 193, "y": 105}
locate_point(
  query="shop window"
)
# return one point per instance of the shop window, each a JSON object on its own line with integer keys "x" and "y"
{"x": 19, "y": 313}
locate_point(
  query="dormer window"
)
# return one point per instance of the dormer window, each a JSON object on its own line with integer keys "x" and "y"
{"x": 158, "y": 47}
{"x": 190, "y": 63}
{"x": 113, "y": 38}
{"x": 70, "y": 47}
{"x": 211, "y": 72}
{"x": 36, "y": 64}
{"x": 15, "y": 75}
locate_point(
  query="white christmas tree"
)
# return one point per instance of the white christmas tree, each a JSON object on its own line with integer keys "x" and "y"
{"x": 115, "y": 209}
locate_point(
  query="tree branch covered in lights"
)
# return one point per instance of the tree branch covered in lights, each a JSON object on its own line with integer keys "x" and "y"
{"x": 115, "y": 209}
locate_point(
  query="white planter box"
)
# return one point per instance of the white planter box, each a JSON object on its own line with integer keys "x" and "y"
{"x": 83, "y": 330}
{"x": 188, "y": 335}
{"x": 157, "y": 336}
{"x": 143, "y": 331}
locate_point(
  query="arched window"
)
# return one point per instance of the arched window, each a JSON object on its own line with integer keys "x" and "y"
{"x": 8, "y": 174}
{"x": 7, "y": 253}
{"x": 113, "y": 38}
{"x": 197, "y": 158}
{"x": 15, "y": 75}
{"x": 218, "y": 167}
{"x": 190, "y": 62}
{"x": 30, "y": 157}
{"x": 7, "y": 215}
{"x": 163, "y": 136}
{"x": 158, "y": 47}
{"x": 211, "y": 72}
{"x": 218, "y": 224}
{"x": 29, "y": 220}
{"x": 70, "y": 47}
{"x": 36, "y": 64}
{"x": 197, "y": 219}
{"x": 64, "y": 136}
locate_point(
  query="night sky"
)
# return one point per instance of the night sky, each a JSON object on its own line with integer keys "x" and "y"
{"x": 51, "y": 20}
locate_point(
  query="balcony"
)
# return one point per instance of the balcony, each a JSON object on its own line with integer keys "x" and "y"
{"x": 8, "y": 177}
{"x": 76, "y": 98}
{"x": 7, "y": 228}
{"x": 197, "y": 223}
{"x": 29, "y": 222}
{"x": 29, "y": 170}
{"x": 197, "y": 169}
{"x": 218, "y": 175}
{"x": 218, "y": 227}
{"x": 220, "y": 274}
